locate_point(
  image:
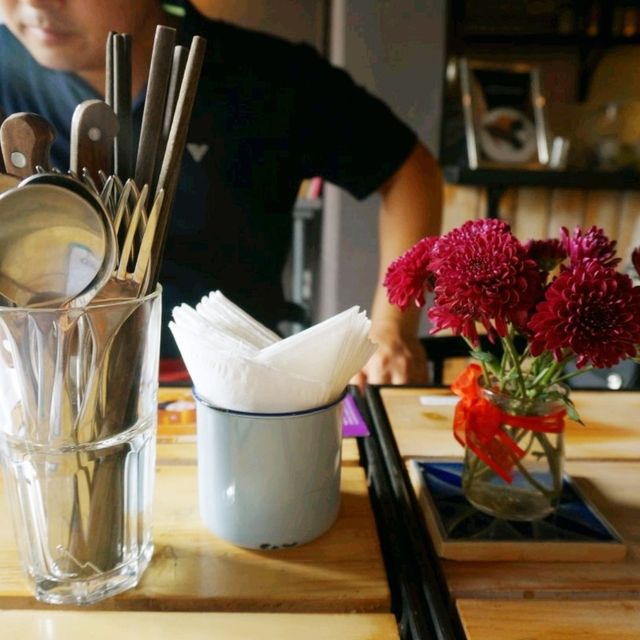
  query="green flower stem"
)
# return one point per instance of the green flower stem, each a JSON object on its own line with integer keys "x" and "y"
{"x": 547, "y": 376}
{"x": 509, "y": 346}
{"x": 485, "y": 371}
{"x": 543, "y": 375}
{"x": 573, "y": 374}
{"x": 529, "y": 444}
{"x": 533, "y": 482}
{"x": 478, "y": 469}
{"x": 476, "y": 473}
{"x": 553, "y": 460}
{"x": 473, "y": 470}
{"x": 553, "y": 370}
{"x": 549, "y": 452}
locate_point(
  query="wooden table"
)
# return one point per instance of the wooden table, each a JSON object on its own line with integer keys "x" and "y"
{"x": 101, "y": 625}
{"x": 545, "y": 620}
{"x": 295, "y": 592}
{"x": 422, "y": 427}
{"x": 603, "y": 457}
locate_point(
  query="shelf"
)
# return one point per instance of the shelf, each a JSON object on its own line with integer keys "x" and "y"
{"x": 603, "y": 180}
{"x": 461, "y": 43}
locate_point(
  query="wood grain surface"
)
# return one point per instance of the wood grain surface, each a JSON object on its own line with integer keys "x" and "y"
{"x": 489, "y": 549}
{"x": 547, "y": 620}
{"x": 192, "y": 570}
{"x": 99, "y": 625}
{"x": 613, "y": 488}
{"x": 611, "y": 428}
{"x": 603, "y": 458}
{"x": 530, "y": 218}
{"x": 461, "y": 203}
{"x": 538, "y": 212}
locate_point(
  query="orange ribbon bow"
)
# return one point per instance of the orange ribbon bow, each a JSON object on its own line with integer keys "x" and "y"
{"x": 477, "y": 424}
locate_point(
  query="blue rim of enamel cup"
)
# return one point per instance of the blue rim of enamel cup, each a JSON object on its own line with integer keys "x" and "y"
{"x": 250, "y": 414}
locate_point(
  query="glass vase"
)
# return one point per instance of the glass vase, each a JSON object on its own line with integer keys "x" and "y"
{"x": 529, "y": 487}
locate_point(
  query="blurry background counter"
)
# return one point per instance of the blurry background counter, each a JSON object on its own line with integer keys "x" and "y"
{"x": 518, "y": 598}
{"x": 191, "y": 570}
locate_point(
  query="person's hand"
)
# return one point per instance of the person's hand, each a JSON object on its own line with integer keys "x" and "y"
{"x": 399, "y": 359}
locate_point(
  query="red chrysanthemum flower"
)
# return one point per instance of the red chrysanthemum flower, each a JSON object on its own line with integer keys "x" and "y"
{"x": 592, "y": 310}
{"x": 409, "y": 276}
{"x": 482, "y": 275}
{"x": 635, "y": 258}
{"x": 592, "y": 245}
{"x": 548, "y": 254}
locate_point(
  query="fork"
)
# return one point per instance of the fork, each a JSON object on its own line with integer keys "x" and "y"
{"x": 126, "y": 284}
{"x": 111, "y": 332}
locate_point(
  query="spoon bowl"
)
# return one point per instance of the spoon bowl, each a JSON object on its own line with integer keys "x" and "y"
{"x": 56, "y": 247}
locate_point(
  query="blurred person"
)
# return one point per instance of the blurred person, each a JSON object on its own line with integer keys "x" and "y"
{"x": 268, "y": 114}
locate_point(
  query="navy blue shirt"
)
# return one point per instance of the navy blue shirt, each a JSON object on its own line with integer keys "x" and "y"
{"x": 268, "y": 113}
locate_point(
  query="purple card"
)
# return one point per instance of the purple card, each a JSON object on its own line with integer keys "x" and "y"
{"x": 353, "y": 424}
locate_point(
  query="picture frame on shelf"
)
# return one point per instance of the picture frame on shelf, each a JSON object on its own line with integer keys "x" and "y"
{"x": 504, "y": 115}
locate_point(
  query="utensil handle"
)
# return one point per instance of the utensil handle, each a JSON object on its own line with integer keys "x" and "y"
{"x": 141, "y": 269}
{"x": 123, "y": 151}
{"x": 180, "y": 54}
{"x": 109, "y": 73}
{"x": 26, "y": 140}
{"x": 150, "y": 132}
{"x": 170, "y": 169}
{"x": 94, "y": 127}
{"x": 2, "y": 167}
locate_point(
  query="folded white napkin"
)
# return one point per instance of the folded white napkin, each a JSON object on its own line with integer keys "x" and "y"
{"x": 237, "y": 363}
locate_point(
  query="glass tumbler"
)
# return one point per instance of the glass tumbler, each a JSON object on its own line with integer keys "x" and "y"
{"x": 77, "y": 442}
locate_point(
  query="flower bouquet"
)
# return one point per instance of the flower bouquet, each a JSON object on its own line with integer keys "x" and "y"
{"x": 542, "y": 305}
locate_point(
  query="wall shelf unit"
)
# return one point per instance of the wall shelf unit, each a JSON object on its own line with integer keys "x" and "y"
{"x": 568, "y": 179}
{"x": 566, "y": 39}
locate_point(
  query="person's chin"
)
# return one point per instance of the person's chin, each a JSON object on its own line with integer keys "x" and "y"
{"x": 55, "y": 51}
{"x": 54, "y": 58}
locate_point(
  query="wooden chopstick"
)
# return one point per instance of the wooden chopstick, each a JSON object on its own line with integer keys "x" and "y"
{"x": 170, "y": 169}
{"x": 123, "y": 150}
{"x": 152, "y": 117}
{"x": 2, "y": 168}
{"x": 108, "y": 72}
{"x": 127, "y": 116}
{"x": 109, "y": 81}
{"x": 180, "y": 54}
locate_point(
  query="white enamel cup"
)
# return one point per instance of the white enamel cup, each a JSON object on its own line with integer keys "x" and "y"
{"x": 267, "y": 481}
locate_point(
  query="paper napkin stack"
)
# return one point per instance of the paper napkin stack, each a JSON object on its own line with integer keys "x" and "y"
{"x": 237, "y": 363}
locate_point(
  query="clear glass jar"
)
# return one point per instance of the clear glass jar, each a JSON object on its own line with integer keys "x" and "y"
{"x": 536, "y": 478}
{"x": 77, "y": 443}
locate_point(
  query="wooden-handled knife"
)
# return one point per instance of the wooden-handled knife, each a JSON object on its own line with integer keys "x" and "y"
{"x": 25, "y": 139}
{"x": 93, "y": 128}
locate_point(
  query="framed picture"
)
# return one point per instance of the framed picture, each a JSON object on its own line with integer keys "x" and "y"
{"x": 504, "y": 116}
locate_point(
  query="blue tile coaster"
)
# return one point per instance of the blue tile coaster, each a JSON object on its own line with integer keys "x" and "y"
{"x": 575, "y": 531}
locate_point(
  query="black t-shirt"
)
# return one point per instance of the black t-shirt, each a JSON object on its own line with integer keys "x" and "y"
{"x": 268, "y": 113}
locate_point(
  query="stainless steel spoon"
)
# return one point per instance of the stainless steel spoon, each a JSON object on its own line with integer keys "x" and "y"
{"x": 57, "y": 248}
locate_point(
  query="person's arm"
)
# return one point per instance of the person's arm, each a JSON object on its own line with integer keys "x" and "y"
{"x": 411, "y": 209}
